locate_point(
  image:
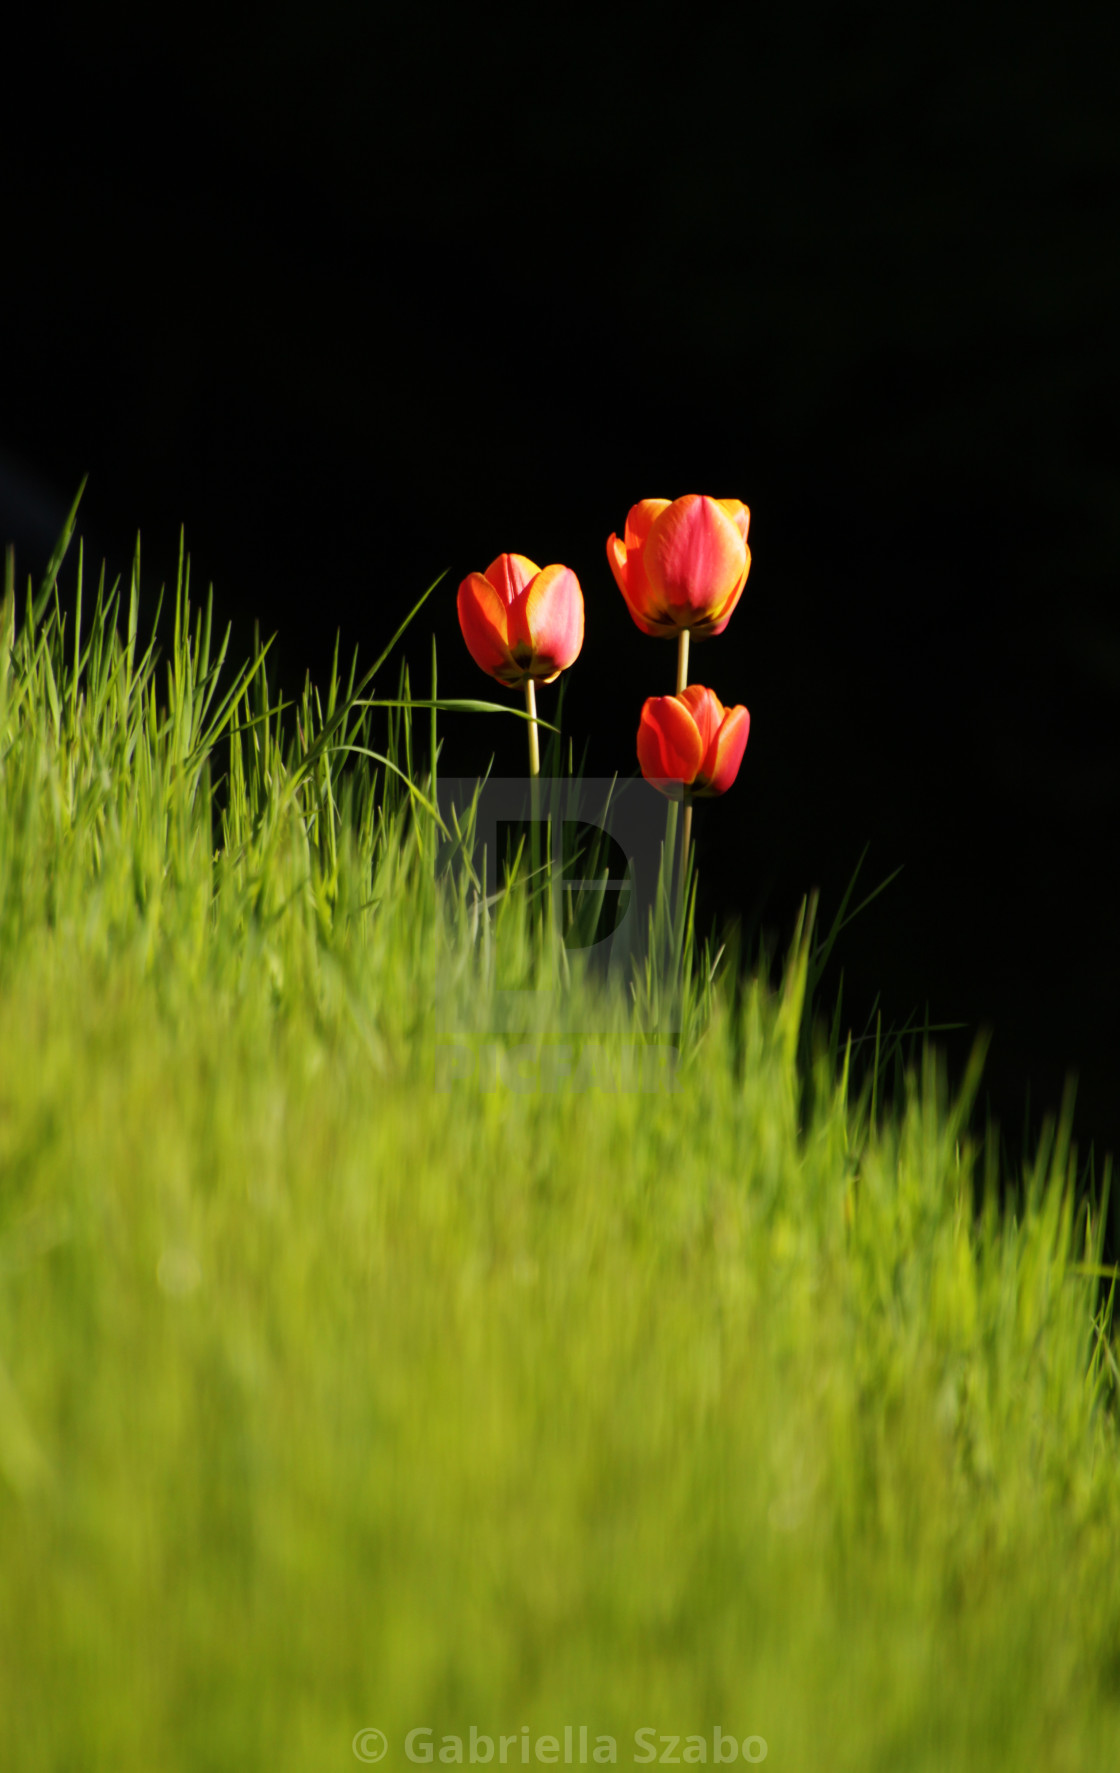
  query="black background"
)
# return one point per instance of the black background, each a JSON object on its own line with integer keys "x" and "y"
{"x": 359, "y": 299}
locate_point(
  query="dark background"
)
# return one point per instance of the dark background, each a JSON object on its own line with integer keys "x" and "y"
{"x": 358, "y": 299}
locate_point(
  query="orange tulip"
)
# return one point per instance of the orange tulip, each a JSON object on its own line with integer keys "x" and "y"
{"x": 522, "y": 624}
{"x": 682, "y": 565}
{"x": 691, "y": 741}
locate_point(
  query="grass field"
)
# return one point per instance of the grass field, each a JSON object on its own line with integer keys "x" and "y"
{"x": 332, "y": 1401}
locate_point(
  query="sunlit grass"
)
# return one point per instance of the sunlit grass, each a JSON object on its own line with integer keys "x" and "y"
{"x": 330, "y": 1399}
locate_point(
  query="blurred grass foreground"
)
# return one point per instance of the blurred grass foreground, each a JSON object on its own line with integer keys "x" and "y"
{"x": 753, "y": 1413}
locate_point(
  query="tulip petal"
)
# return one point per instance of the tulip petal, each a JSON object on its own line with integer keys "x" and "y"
{"x": 640, "y": 520}
{"x": 483, "y": 619}
{"x": 724, "y": 754}
{"x": 628, "y": 571}
{"x": 727, "y": 608}
{"x": 695, "y": 557}
{"x": 550, "y": 618}
{"x": 669, "y": 747}
{"x": 739, "y": 514}
{"x": 510, "y": 574}
{"x": 706, "y": 710}
{"x": 616, "y": 560}
{"x": 625, "y": 559}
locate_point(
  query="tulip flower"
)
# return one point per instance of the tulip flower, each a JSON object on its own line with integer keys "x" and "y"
{"x": 691, "y": 742}
{"x": 523, "y": 625}
{"x": 681, "y": 566}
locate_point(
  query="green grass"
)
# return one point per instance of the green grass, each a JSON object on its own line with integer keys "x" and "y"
{"x": 331, "y": 1400}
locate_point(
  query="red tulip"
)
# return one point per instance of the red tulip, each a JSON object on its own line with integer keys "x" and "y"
{"x": 522, "y": 624}
{"x": 691, "y": 741}
{"x": 682, "y": 565}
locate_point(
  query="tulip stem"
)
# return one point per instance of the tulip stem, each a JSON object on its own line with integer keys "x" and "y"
{"x": 534, "y": 794}
{"x": 671, "y": 822}
{"x": 534, "y": 730}
{"x": 682, "y": 659}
